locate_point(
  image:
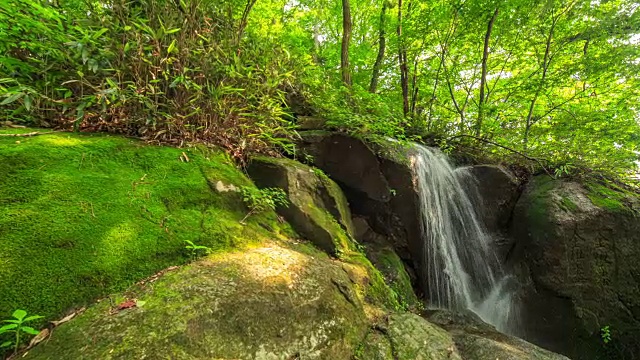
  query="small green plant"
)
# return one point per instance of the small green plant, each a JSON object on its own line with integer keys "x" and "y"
{"x": 260, "y": 200}
{"x": 605, "y": 334}
{"x": 196, "y": 250}
{"x": 16, "y": 326}
{"x": 563, "y": 170}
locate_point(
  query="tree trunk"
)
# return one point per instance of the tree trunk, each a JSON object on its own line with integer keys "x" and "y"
{"x": 346, "y": 39}
{"x": 545, "y": 67}
{"x": 483, "y": 78}
{"x": 402, "y": 60}
{"x": 244, "y": 19}
{"x": 382, "y": 44}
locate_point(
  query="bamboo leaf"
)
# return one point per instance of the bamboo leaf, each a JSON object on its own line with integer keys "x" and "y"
{"x": 13, "y": 97}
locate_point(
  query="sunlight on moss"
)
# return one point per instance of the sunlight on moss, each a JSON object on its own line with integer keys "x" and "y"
{"x": 62, "y": 140}
{"x": 269, "y": 265}
{"x": 117, "y": 239}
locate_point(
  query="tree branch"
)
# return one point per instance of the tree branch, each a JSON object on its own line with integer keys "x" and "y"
{"x": 538, "y": 160}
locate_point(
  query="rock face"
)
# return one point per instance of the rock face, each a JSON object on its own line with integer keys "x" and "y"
{"x": 98, "y": 212}
{"x": 377, "y": 181}
{"x": 475, "y": 339}
{"x": 409, "y": 337}
{"x": 445, "y": 335}
{"x": 498, "y": 191}
{"x": 318, "y": 209}
{"x": 581, "y": 246}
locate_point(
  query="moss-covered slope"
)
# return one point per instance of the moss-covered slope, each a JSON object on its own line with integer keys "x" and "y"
{"x": 83, "y": 215}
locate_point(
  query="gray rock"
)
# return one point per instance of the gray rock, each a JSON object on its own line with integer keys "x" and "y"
{"x": 413, "y": 338}
{"x": 498, "y": 190}
{"x": 581, "y": 245}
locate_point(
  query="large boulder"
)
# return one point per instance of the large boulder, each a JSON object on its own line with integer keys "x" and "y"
{"x": 267, "y": 302}
{"x": 412, "y": 338}
{"x": 441, "y": 335}
{"x": 318, "y": 209}
{"x": 382, "y": 255}
{"x": 378, "y": 182}
{"x": 581, "y": 245}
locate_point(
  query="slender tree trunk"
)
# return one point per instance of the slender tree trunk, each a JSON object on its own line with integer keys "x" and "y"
{"x": 414, "y": 87}
{"x": 584, "y": 53}
{"x": 382, "y": 45}
{"x": 346, "y": 39}
{"x": 244, "y": 19}
{"x": 545, "y": 67}
{"x": 483, "y": 78}
{"x": 402, "y": 60}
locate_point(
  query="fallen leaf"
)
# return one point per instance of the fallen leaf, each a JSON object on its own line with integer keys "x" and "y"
{"x": 126, "y": 305}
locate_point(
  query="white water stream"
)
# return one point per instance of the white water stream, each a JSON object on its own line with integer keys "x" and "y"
{"x": 461, "y": 268}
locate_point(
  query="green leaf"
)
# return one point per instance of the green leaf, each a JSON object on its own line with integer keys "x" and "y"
{"x": 6, "y": 344}
{"x": 12, "y": 98}
{"x": 31, "y": 318}
{"x": 29, "y": 330}
{"x": 172, "y": 47}
{"x": 6, "y": 328}
{"x": 19, "y": 314}
{"x": 27, "y": 102}
{"x": 99, "y": 33}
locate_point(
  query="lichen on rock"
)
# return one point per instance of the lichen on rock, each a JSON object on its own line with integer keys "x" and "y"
{"x": 267, "y": 302}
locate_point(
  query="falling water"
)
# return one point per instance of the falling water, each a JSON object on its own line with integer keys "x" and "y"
{"x": 462, "y": 270}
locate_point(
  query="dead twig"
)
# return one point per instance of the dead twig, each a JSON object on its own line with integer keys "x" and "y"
{"x": 28, "y": 134}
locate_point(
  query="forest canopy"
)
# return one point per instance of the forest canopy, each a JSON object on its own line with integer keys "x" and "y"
{"x": 554, "y": 83}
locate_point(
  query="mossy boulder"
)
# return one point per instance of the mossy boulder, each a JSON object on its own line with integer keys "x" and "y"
{"x": 266, "y": 302}
{"x": 84, "y": 215}
{"x": 413, "y": 338}
{"x": 580, "y": 244}
{"x": 318, "y": 209}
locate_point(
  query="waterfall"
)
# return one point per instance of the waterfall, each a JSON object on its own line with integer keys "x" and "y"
{"x": 461, "y": 268}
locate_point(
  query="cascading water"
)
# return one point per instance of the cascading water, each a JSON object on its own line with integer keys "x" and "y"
{"x": 462, "y": 270}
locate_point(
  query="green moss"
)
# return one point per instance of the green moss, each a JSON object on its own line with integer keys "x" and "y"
{"x": 377, "y": 292}
{"x": 568, "y": 204}
{"x": 539, "y": 201}
{"x": 236, "y": 305}
{"x": 341, "y": 205}
{"x": 608, "y": 197}
{"x": 84, "y": 215}
{"x": 395, "y": 275}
